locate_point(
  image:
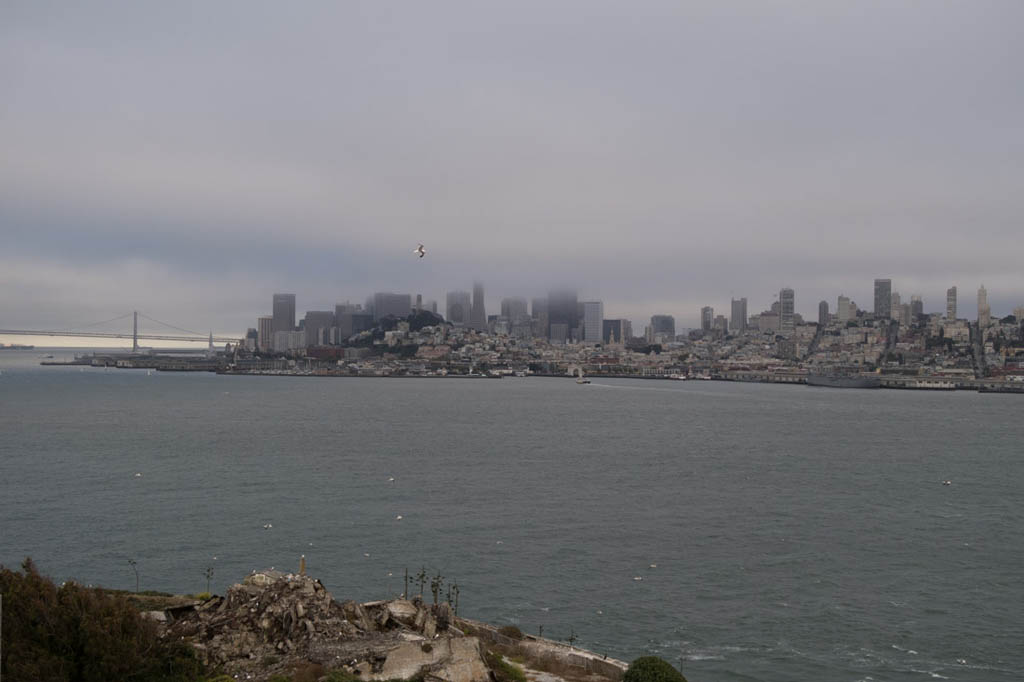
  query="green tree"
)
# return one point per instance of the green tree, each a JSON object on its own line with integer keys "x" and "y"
{"x": 652, "y": 669}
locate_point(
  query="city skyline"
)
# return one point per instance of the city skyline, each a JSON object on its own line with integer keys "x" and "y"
{"x": 783, "y": 154}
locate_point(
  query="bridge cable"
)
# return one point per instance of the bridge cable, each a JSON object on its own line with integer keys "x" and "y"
{"x": 180, "y": 329}
{"x": 94, "y": 324}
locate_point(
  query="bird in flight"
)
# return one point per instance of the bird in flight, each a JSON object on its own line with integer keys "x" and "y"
{"x": 420, "y": 251}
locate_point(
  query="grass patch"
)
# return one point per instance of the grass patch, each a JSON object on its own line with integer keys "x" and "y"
{"x": 503, "y": 670}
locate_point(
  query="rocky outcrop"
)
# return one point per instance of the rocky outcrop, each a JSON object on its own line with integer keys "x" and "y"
{"x": 272, "y": 622}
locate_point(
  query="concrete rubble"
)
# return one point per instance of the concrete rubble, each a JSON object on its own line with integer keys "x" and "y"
{"x": 273, "y": 622}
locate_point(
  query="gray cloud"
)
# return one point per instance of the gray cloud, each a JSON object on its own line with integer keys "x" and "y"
{"x": 194, "y": 158}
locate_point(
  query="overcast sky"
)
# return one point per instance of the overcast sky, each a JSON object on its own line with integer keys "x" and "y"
{"x": 190, "y": 159}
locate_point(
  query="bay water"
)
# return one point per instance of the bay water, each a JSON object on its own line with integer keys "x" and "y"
{"x": 740, "y": 531}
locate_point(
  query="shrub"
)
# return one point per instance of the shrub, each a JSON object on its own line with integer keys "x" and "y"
{"x": 202, "y": 596}
{"x": 341, "y": 676}
{"x": 652, "y": 669}
{"x": 307, "y": 672}
{"x": 503, "y": 670}
{"x": 76, "y": 633}
{"x": 510, "y": 631}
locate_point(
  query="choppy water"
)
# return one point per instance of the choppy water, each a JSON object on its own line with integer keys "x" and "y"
{"x": 799, "y": 533}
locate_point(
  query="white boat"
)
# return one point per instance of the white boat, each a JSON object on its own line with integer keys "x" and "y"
{"x": 581, "y": 380}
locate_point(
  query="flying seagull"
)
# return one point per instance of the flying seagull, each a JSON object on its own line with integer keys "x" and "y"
{"x": 420, "y": 251}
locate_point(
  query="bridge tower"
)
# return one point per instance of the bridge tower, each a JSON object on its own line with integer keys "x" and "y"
{"x": 135, "y": 331}
{"x": 211, "y": 339}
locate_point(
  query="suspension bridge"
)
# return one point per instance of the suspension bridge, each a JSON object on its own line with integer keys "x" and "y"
{"x": 85, "y": 331}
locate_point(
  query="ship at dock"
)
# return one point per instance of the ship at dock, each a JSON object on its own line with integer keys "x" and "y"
{"x": 839, "y": 380}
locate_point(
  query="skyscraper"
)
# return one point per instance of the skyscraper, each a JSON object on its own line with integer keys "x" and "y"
{"x": 707, "y": 318}
{"x": 265, "y": 333}
{"x": 318, "y": 325}
{"x": 478, "y": 314}
{"x": 823, "y": 314}
{"x": 984, "y": 312}
{"x": 457, "y": 307}
{"x": 593, "y": 317}
{"x": 386, "y": 304}
{"x": 514, "y": 309}
{"x": 665, "y": 325}
{"x": 284, "y": 313}
{"x": 539, "y": 313}
{"x": 883, "y": 299}
{"x": 843, "y": 309}
{"x": 951, "y": 303}
{"x": 787, "y": 300}
{"x": 916, "y": 307}
{"x": 738, "y": 321}
{"x": 562, "y": 310}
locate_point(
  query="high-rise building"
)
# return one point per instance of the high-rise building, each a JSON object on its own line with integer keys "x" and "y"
{"x": 843, "y": 309}
{"x": 720, "y": 324}
{"x": 787, "y": 300}
{"x": 951, "y": 303}
{"x": 562, "y": 309}
{"x": 514, "y": 309}
{"x": 265, "y": 333}
{"x": 663, "y": 325}
{"x": 457, "y": 307}
{"x": 823, "y": 314}
{"x": 318, "y": 325}
{"x": 883, "y": 299}
{"x": 593, "y": 317}
{"x": 916, "y": 307}
{"x": 615, "y": 332}
{"x": 284, "y": 313}
{"x": 738, "y": 321}
{"x": 386, "y": 304}
{"x": 478, "y": 314}
{"x": 707, "y": 318}
{"x": 984, "y": 312}
{"x": 1018, "y": 313}
{"x": 539, "y": 316}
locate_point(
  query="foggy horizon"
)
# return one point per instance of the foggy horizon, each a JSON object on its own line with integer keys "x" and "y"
{"x": 190, "y": 160}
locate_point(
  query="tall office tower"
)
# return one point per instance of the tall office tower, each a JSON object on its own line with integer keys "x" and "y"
{"x": 720, "y": 324}
{"x": 284, "y": 312}
{"x": 318, "y": 325}
{"x": 664, "y": 325}
{"x": 883, "y": 299}
{"x": 615, "y": 332}
{"x": 514, "y": 309}
{"x": 457, "y": 308}
{"x": 843, "y": 309}
{"x": 823, "y": 314}
{"x": 562, "y": 309}
{"x": 478, "y": 313}
{"x": 894, "y": 304}
{"x": 419, "y": 303}
{"x": 539, "y": 317}
{"x": 265, "y": 333}
{"x": 593, "y": 317}
{"x": 738, "y": 321}
{"x": 707, "y": 318}
{"x": 787, "y": 301}
{"x": 951, "y": 303}
{"x": 916, "y": 307}
{"x": 984, "y": 312}
{"x": 386, "y": 304}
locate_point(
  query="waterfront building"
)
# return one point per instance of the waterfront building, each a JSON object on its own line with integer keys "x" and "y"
{"x": 951, "y": 303}
{"x": 843, "y": 309}
{"x": 265, "y": 333}
{"x": 984, "y": 312}
{"x": 284, "y": 313}
{"x": 285, "y": 341}
{"x": 593, "y": 318}
{"x": 738, "y": 321}
{"x": 823, "y": 314}
{"x": 386, "y": 304}
{"x": 707, "y": 318}
{"x": 664, "y": 326}
{"x": 787, "y": 300}
{"x": 883, "y": 299}
{"x": 317, "y": 325}
{"x": 457, "y": 308}
{"x": 478, "y": 313}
